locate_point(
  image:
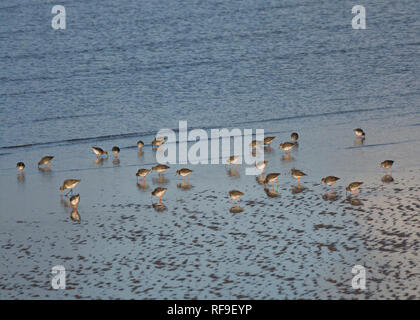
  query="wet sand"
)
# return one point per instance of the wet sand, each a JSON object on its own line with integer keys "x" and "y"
{"x": 291, "y": 244}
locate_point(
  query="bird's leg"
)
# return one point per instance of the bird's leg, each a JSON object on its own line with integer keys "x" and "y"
{"x": 277, "y": 182}
{"x": 391, "y": 171}
{"x": 239, "y": 201}
{"x": 298, "y": 182}
{"x": 160, "y": 200}
{"x": 332, "y": 188}
{"x": 231, "y": 201}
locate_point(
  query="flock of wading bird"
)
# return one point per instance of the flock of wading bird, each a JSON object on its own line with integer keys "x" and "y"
{"x": 272, "y": 178}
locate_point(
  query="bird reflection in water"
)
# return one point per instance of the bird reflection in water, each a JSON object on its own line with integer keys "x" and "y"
{"x": 160, "y": 180}
{"x": 287, "y": 157}
{"x": 44, "y": 170}
{"x": 331, "y": 196}
{"x": 116, "y": 161}
{"x": 159, "y": 206}
{"x": 387, "y": 179}
{"x": 233, "y": 173}
{"x": 184, "y": 185}
{"x": 21, "y": 177}
{"x": 268, "y": 149}
{"x": 99, "y": 161}
{"x": 356, "y": 202}
{"x": 260, "y": 179}
{"x": 142, "y": 185}
{"x": 236, "y": 209}
{"x": 271, "y": 193}
{"x": 360, "y": 141}
{"x": 298, "y": 189}
{"x": 75, "y": 216}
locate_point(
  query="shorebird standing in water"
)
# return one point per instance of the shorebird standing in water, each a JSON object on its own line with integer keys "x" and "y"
{"x": 235, "y": 194}
{"x": 20, "y": 166}
{"x": 330, "y": 180}
{"x": 69, "y": 184}
{"x": 297, "y": 174}
{"x": 158, "y": 141}
{"x": 232, "y": 160}
{"x": 142, "y": 173}
{"x": 271, "y": 177}
{"x": 74, "y": 201}
{"x": 294, "y": 136}
{"x": 359, "y": 132}
{"x": 387, "y": 164}
{"x": 140, "y": 144}
{"x": 354, "y": 187}
{"x": 99, "y": 152}
{"x": 268, "y": 140}
{"x": 260, "y": 165}
{"x": 255, "y": 143}
{"x": 287, "y": 146}
{"x": 184, "y": 172}
{"x": 159, "y": 192}
{"x": 45, "y": 161}
{"x": 160, "y": 168}
{"x": 115, "y": 151}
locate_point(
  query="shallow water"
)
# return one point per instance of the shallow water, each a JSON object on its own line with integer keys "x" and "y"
{"x": 119, "y": 73}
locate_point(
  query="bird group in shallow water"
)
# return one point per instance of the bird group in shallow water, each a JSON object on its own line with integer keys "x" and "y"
{"x": 270, "y": 178}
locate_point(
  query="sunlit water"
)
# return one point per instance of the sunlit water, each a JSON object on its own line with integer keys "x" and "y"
{"x": 123, "y": 70}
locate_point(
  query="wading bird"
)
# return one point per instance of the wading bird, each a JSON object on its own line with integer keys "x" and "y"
{"x": 268, "y": 140}
{"x": 140, "y": 144}
{"x": 271, "y": 177}
{"x": 159, "y": 192}
{"x": 69, "y": 184}
{"x": 20, "y": 166}
{"x": 359, "y": 132}
{"x": 232, "y": 160}
{"x": 74, "y": 201}
{"x": 354, "y": 187}
{"x": 184, "y": 172}
{"x": 387, "y": 164}
{"x": 158, "y": 141}
{"x": 115, "y": 151}
{"x": 142, "y": 173}
{"x": 160, "y": 168}
{"x": 235, "y": 194}
{"x": 330, "y": 180}
{"x": 45, "y": 161}
{"x": 99, "y": 152}
{"x": 297, "y": 174}
{"x": 287, "y": 146}
{"x": 260, "y": 165}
